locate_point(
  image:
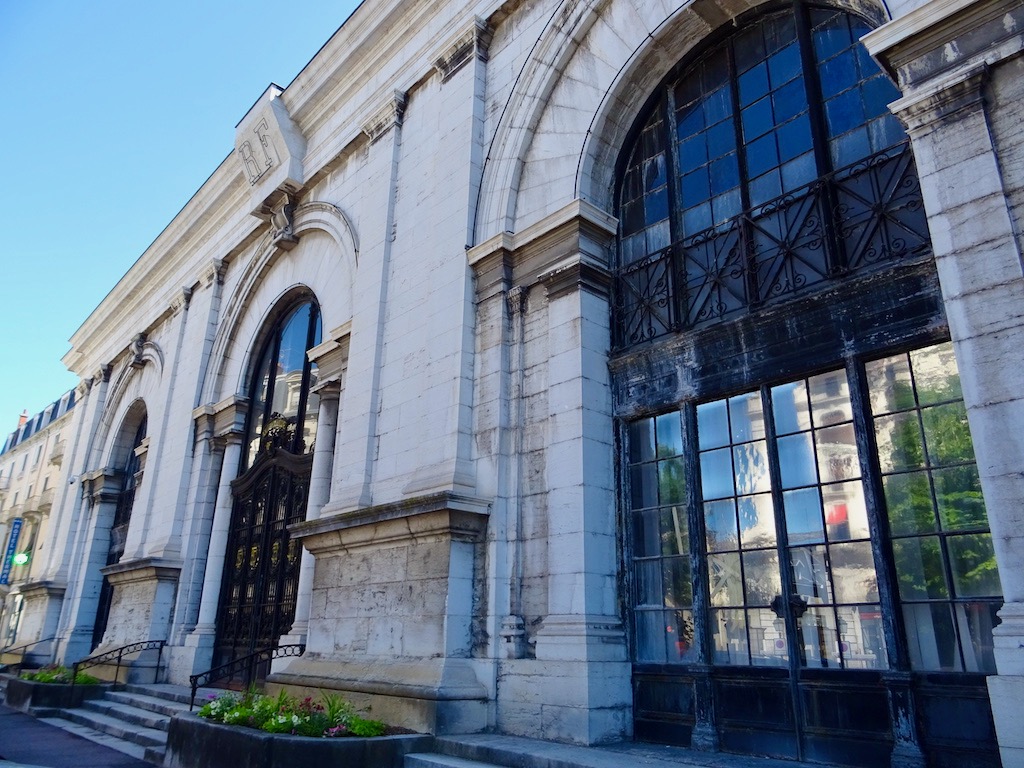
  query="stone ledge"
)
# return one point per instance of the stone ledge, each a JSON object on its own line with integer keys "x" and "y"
{"x": 463, "y": 518}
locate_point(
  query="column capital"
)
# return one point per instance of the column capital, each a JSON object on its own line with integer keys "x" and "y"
{"x": 331, "y": 355}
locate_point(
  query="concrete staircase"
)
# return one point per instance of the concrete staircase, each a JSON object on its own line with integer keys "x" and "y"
{"x": 133, "y": 721}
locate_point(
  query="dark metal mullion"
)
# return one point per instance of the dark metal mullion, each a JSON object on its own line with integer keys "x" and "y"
{"x": 307, "y": 368}
{"x": 819, "y": 137}
{"x": 746, "y": 246}
{"x": 795, "y": 647}
{"x": 878, "y": 523}
{"x": 675, "y": 213}
{"x": 826, "y": 546}
{"x": 705, "y": 728}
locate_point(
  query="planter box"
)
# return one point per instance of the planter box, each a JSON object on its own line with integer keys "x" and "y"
{"x": 193, "y": 742}
{"x": 28, "y": 696}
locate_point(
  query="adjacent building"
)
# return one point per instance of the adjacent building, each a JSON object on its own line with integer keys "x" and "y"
{"x": 587, "y": 371}
{"x": 32, "y": 479}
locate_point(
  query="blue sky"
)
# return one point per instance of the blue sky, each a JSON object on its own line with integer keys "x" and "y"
{"x": 114, "y": 114}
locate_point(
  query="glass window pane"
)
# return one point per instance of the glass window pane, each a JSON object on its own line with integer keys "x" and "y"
{"x": 919, "y": 568}
{"x": 672, "y": 481}
{"x": 810, "y": 574}
{"x": 676, "y": 575}
{"x": 818, "y": 636}
{"x": 796, "y": 173}
{"x": 670, "y": 441}
{"x": 889, "y": 385}
{"x": 753, "y": 84}
{"x": 794, "y": 140}
{"x": 747, "y": 417}
{"x": 712, "y": 425}
{"x": 837, "y": 453}
{"x": 862, "y": 637}
{"x": 975, "y": 621}
{"x": 972, "y": 561}
{"x": 946, "y": 434}
{"x": 899, "y": 442}
{"x": 784, "y": 65}
{"x": 729, "y": 637}
{"x": 853, "y": 572}
{"x": 846, "y": 515}
{"x": 935, "y": 374}
{"x": 757, "y": 521}
{"x": 648, "y": 582}
{"x": 725, "y": 580}
{"x": 641, "y": 440}
{"x": 717, "y": 105}
{"x": 790, "y": 409}
{"x": 767, "y": 638}
{"x": 679, "y": 630}
{"x": 716, "y": 473}
{"x": 675, "y": 538}
{"x": 650, "y": 636}
{"x": 850, "y": 148}
{"x": 721, "y": 139}
{"x": 720, "y": 525}
{"x": 796, "y": 460}
{"x": 958, "y": 494}
{"x": 765, "y": 188}
{"x": 757, "y": 120}
{"x": 908, "y": 500}
{"x": 643, "y": 486}
{"x": 646, "y": 533}
{"x": 803, "y": 516}
{"x": 830, "y": 398}
{"x": 750, "y": 464}
{"x": 931, "y": 638}
{"x": 761, "y": 577}
{"x": 309, "y": 420}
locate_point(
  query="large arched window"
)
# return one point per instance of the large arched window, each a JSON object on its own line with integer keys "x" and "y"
{"x": 768, "y": 166}
{"x": 258, "y": 592}
{"x": 808, "y": 562}
{"x": 282, "y": 409}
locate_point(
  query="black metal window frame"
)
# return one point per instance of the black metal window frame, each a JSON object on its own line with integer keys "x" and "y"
{"x": 855, "y": 212}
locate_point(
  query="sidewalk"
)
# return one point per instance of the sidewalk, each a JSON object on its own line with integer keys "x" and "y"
{"x": 28, "y": 743}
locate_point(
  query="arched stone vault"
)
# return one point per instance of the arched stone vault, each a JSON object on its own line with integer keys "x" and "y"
{"x": 327, "y": 255}
{"x": 585, "y": 82}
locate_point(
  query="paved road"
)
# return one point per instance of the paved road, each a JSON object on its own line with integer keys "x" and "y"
{"x": 27, "y": 743}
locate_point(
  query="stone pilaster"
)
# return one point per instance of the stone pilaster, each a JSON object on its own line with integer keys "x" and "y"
{"x": 943, "y": 56}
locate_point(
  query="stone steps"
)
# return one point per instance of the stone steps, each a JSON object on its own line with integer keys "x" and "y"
{"x": 424, "y": 760}
{"x": 133, "y": 721}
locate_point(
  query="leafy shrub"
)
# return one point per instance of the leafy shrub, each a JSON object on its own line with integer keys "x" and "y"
{"x": 56, "y": 673}
{"x": 331, "y": 716}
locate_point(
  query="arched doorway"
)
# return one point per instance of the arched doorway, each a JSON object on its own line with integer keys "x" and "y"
{"x": 809, "y": 564}
{"x": 258, "y": 593}
{"x": 119, "y": 529}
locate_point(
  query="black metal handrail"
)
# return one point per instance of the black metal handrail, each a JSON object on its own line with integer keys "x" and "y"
{"x": 118, "y": 654}
{"x": 22, "y": 649}
{"x": 245, "y": 664}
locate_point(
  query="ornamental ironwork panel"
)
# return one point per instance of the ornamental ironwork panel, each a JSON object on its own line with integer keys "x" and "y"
{"x": 258, "y": 594}
{"x": 855, "y": 220}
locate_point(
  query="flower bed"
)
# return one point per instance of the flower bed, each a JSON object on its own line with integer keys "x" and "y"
{"x": 193, "y": 742}
{"x": 35, "y": 695}
{"x": 254, "y": 731}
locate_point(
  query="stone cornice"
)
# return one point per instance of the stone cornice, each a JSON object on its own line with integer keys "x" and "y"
{"x": 945, "y": 35}
{"x": 222, "y": 419}
{"x": 467, "y": 44}
{"x": 142, "y": 569}
{"x": 440, "y": 514}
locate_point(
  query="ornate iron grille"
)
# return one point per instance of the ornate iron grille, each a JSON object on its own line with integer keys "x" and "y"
{"x": 776, "y": 250}
{"x": 257, "y": 603}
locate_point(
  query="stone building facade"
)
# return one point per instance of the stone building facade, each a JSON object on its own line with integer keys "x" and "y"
{"x": 32, "y": 482}
{"x": 588, "y": 371}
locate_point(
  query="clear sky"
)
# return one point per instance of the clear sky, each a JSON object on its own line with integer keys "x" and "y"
{"x": 114, "y": 114}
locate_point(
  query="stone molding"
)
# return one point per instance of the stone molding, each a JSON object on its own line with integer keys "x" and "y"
{"x": 468, "y": 44}
{"x": 331, "y": 355}
{"x": 386, "y": 117}
{"x": 142, "y": 569}
{"x": 566, "y": 250}
{"x": 945, "y": 35}
{"x": 221, "y": 420}
{"x": 943, "y": 101}
{"x": 43, "y": 588}
{"x": 460, "y": 518}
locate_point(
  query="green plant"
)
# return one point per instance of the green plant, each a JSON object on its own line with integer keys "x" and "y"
{"x": 57, "y": 673}
{"x": 330, "y": 716}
